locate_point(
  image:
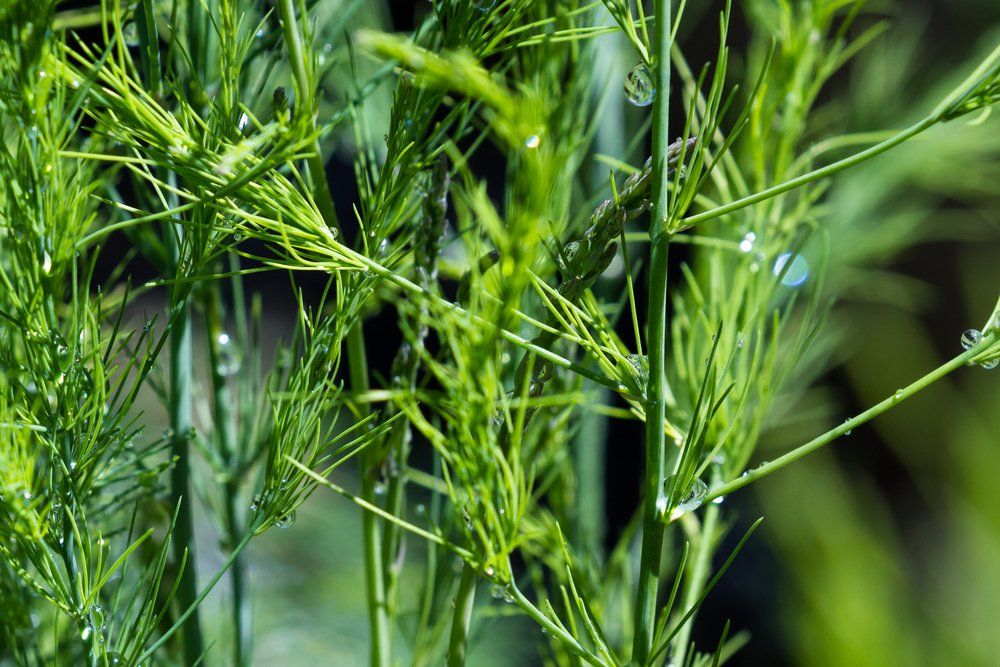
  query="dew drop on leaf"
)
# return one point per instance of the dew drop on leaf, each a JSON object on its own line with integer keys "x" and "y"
{"x": 639, "y": 87}
{"x": 286, "y": 521}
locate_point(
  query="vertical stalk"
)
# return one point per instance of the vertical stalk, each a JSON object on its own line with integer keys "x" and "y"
{"x": 221, "y": 418}
{"x": 356, "y": 355}
{"x": 179, "y": 405}
{"x": 462, "y": 619}
{"x": 656, "y": 442}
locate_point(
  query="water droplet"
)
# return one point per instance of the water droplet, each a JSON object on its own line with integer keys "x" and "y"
{"x": 639, "y": 87}
{"x": 327, "y": 47}
{"x": 420, "y": 509}
{"x": 57, "y": 518}
{"x": 147, "y": 325}
{"x": 501, "y": 592}
{"x": 694, "y": 498}
{"x": 640, "y": 362}
{"x": 489, "y": 571}
{"x": 971, "y": 338}
{"x": 42, "y": 74}
{"x": 286, "y": 521}
{"x": 243, "y": 122}
{"x": 848, "y": 431}
{"x": 97, "y": 616}
{"x": 46, "y": 262}
{"x": 380, "y": 488}
{"x": 719, "y": 500}
{"x": 228, "y": 362}
{"x": 74, "y": 84}
{"x": 798, "y": 270}
{"x": 260, "y": 33}
{"x": 990, "y": 364}
{"x": 130, "y": 34}
{"x": 739, "y": 339}
{"x": 168, "y": 433}
{"x": 898, "y": 394}
{"x": 746, "y": 245}
{"x": 533, "y": 141}
{"x": 256, "y": 503}
{"x": 114, "y": 659}
{"x": 661, "y": 504}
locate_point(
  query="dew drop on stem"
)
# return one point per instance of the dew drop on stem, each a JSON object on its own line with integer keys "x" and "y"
{"x": 971, "y": 338}
{"x": 286, "y": 520}
{"x": 639, "y": 87}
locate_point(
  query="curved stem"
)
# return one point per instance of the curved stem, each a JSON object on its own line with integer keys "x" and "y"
{"x": 898, "y": 397}
{"x": 656, "y": 442}
{"x": 462, "y": 619}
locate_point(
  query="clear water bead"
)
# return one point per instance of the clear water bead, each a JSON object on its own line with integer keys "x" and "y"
{"x": 286, "y": 521}
{"x": 533, "y": 141}
{"x": 695, "y": 497}
{"x": 639, "y": 87}
{"x": 797, "y": 272}
{"x": 971, "y": 338}
{"x": 746, "y": 245}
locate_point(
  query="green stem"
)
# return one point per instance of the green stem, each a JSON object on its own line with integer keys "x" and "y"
{"x": 898, "y": 397}
{"x": 656, "y": 441}
{"x": 462, "y": 618}
{"x": 192, "y": 609}
{"x": 552, "y": 628}
{"x": 356, "y": 355}
{"x": 695, "y": 584}
{"x": 221, "y": 418}
{"x": 814, "y": 175}
{"x": 182, "y": 541}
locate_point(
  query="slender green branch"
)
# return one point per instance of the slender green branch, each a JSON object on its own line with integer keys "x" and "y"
{"x": 814, "y": 175}
{"x": 302, "y": 70}
{"x": 656, "y": 441}
{"x": 462, "y": 618}
{"x": 695, "y": 585}
{"x": 192, "y": 609}
{"x": 898, "y": 397}
{"x": 552, "y": 628}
